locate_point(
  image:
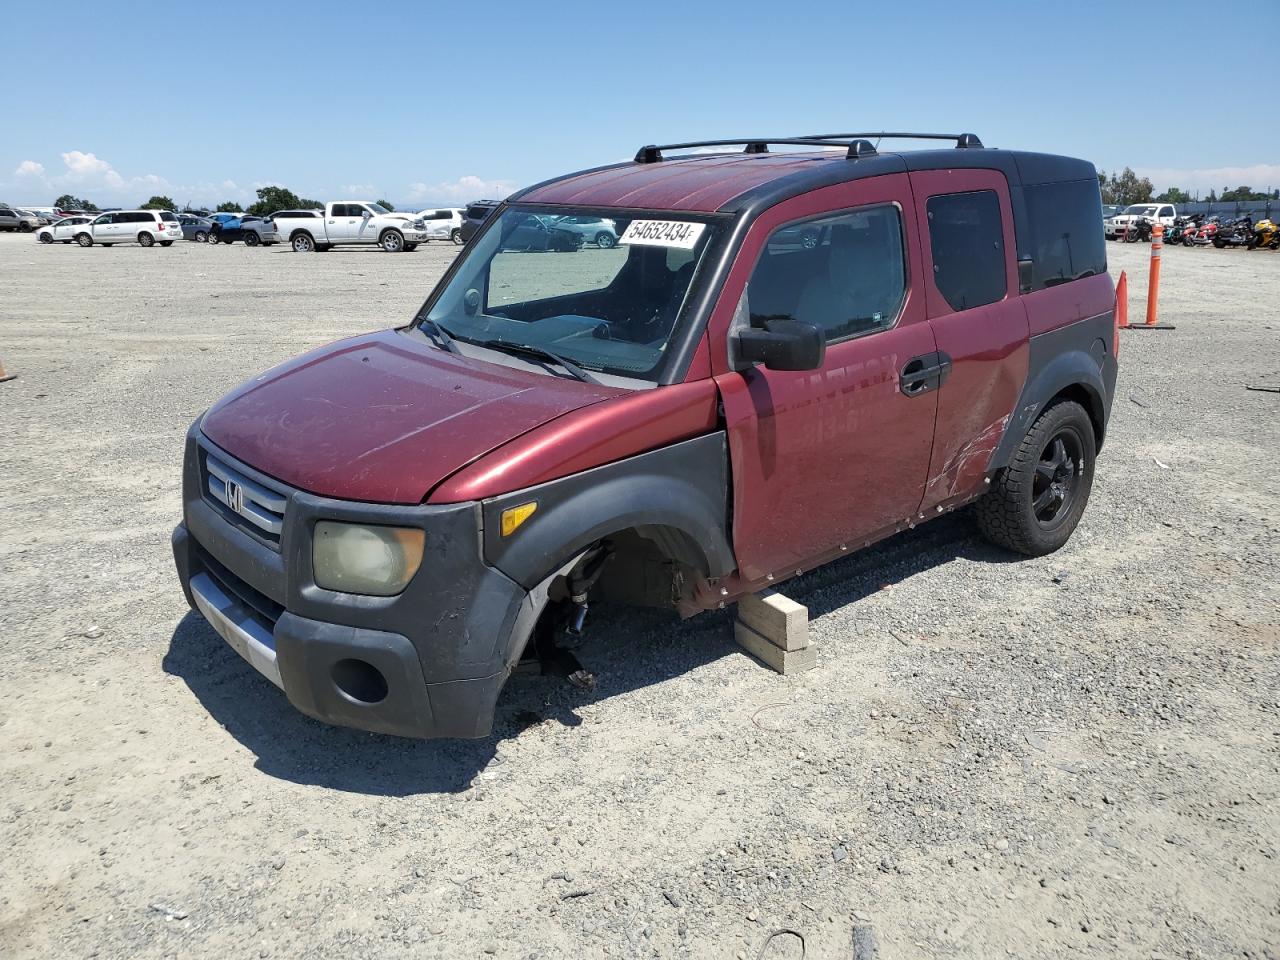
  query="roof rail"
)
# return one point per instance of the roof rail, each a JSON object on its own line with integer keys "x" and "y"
{"x": 857, "y": 145}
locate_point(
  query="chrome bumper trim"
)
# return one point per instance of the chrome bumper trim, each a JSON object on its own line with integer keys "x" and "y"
{"x": 235, "y": 624}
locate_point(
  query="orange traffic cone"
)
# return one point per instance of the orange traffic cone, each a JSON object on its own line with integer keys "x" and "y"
{"x": 4, "y": 374}
{"x": 1122, "y": 301}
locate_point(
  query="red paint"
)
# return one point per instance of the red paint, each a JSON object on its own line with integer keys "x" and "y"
{"x": 589, "y": 437}
{"x": 832, "y": 455}
{"x": 384, "y": 418}
{"x": 1066, "y": 303}
{"x": 701, "y": 184}
{"x": 987, "y": 346}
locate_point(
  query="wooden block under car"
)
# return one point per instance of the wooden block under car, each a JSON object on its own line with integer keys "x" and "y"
{"x": 778, "y": 618}
{"x": 784, "y": 661}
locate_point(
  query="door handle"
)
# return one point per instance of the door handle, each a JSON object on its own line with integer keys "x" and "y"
{"x": 924, "y": 373}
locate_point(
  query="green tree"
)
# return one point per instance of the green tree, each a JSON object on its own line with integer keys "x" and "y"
{"x": 227, "y": 206}
{"x": 1125, "y": 187}
{"x": 273, "y": 198}
{"x": 387, "y": 204}
{"x": 1244, "y": 193}
{"x": 159, "y": 203}
{"x": 68, "y": 202}
{"x": 1174, "y": 195}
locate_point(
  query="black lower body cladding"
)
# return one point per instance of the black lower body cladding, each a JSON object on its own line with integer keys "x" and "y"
{"x": 428, "y": 662}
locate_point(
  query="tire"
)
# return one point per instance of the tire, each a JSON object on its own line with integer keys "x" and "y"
{"x": 24, "y": 228}
{"x": 392, "y": 241}
{"x": 302, "y": 243}
{"x": 251, "y": 239}
{"x": 605, "y": 240}
{"x": 1036, "y": 502}
{"x": 456, "y": 235}
{"x": 410, "y": 247}
{"x": 45, "y": 237}
{"x": 145, "y": 239}
{"x": 201, "y": 236}
{"x": 1219, "y": 243}
{"x": 108, "y": 244}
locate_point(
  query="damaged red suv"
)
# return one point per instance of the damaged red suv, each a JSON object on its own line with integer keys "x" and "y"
{"x": 795, "y": 348}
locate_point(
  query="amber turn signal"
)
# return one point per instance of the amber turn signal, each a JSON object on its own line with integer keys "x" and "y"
{"x": 512, "y": 517}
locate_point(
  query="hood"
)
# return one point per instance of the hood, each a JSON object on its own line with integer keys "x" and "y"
{"x": 384, "y": 418}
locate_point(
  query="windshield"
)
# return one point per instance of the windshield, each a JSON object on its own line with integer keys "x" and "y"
{"x": 377, "y": 208}
{"x": 1141, "y": 209}
{"x": 606, "y": 298}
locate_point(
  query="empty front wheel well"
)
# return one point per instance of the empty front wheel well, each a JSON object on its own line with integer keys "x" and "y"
{"x": 648, "y": 566}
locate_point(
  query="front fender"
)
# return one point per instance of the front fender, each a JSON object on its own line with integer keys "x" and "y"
{"x": 683, "y": 486}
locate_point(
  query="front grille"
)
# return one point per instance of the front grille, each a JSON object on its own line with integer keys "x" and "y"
{"x": 265, "y": 610}
{"x": 243, "y": 502}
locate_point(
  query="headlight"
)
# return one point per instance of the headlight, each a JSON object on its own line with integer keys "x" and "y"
{"x": 376, "y": 561}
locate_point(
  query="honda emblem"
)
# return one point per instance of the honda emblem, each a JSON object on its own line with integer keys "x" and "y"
{"x": 235, "y": 496}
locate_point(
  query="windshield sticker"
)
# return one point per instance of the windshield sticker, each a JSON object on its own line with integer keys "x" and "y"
{"x": 663, "y": 233}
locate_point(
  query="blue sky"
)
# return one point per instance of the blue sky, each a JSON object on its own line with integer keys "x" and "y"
{"x": 434, "y": 103}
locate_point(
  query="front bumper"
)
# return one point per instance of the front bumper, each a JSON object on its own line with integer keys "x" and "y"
{"x": 429, "y": 662}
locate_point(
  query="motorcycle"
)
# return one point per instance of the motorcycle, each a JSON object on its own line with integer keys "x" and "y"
{"x": 1265, "y": 234}
{"x": 1234, "y": 233}
{"x": 1183, "y": 229}
{"x": 1138, "y": 230}
{"x": 1204, "y": 236}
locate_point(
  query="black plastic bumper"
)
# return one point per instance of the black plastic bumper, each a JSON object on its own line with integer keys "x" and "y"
{"x": 429, "y": 662}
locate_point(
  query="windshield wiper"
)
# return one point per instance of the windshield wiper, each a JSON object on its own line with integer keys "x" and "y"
{"x": 442, "y": 336}
{"x": 534, "y": 350}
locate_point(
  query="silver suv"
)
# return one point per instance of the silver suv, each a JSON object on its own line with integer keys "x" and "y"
{"x": 14, "y": 219}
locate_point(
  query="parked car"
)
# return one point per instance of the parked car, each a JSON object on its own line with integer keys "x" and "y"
{"x": 249, "y": 229}
{"x": 541, "y": 232}
{"x": 1164, "y": 213}
{"x": 144, "y": 227}
{"x": 351, "y": 222}
{"x": 11, "y": 218}
{"x": 594, "y": 230}
{"x": 443, "y": 223}
{"x": 62, "y": 230}
{"x": 474, "y": 215}
{"x": 383, "y": 527}
{"x": 194, "y": 228}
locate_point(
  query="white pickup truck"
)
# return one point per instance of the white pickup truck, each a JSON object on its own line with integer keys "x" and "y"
{"x": 349, "y": 222}
{"x": 1164, "y": 213}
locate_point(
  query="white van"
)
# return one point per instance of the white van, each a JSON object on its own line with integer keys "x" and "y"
{"x": 146, "y": 227}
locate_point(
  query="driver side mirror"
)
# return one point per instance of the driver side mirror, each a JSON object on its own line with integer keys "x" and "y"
{"x": 783, "y": 345}
{"x": 366, "y": 213}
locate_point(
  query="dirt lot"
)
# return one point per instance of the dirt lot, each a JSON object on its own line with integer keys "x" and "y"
{"x": 1072, "y": 756}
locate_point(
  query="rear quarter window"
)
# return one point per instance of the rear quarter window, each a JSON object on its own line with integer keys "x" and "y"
{"x": 1066, "y": 236}
{"x": 168, "y": 217}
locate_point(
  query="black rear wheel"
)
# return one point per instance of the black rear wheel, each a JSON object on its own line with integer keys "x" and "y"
{"x": 1036, "y": 502}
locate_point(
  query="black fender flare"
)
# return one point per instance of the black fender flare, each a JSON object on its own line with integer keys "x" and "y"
{"x": 1075, "y": 360}
{"x": 683, "y": 487}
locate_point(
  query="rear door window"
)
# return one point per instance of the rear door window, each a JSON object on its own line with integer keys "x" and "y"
{"x": 846, "y": 273}
{"x": 966, "y": 236}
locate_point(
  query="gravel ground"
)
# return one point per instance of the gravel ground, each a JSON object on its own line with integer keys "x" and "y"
{"x": 1077, "y": 755}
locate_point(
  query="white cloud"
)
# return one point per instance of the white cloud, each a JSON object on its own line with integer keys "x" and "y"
{"x": 81, "y": 164}
{"x": 1260, "y": 176}
{"x": 29, "y": 168}
{"x": 359, "y": 189}
{"x": 462, "y": 190}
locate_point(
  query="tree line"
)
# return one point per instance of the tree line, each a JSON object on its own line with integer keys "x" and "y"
{"x": 1127, "y": 187}
{"x": 270, "y": 200}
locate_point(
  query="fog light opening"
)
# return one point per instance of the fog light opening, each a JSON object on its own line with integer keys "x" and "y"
{"x": 359, "y": 681}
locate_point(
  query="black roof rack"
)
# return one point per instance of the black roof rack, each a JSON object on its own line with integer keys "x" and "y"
{"x": 857, "y": 144}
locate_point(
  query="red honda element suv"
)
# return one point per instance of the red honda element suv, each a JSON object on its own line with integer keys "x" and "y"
{"x": 795, "y": 348}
